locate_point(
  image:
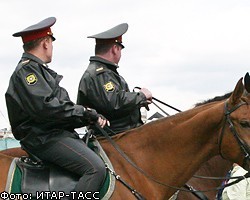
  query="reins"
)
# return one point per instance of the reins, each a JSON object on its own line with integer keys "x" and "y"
{"x": 163, "y": 103}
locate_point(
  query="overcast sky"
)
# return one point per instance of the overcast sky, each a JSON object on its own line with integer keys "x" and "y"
{"x": 184, "y": 51}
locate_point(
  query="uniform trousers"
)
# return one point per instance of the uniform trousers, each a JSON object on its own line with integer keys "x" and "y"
{"x": 74, "y": 155}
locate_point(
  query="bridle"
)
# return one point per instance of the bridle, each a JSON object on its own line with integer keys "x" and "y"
{"x": 243, "y": 145}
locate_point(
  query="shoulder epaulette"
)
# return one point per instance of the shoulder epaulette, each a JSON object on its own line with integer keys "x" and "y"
{"x": 21, "y": 64}
{"x": 100, "y": 70}
{"x": 25, "y": 62}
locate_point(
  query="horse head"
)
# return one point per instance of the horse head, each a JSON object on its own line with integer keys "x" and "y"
{"x": 235, "y": 146}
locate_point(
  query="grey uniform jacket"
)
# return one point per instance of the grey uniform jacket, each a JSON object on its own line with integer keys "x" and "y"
{"x": 102, "y": 88}
{"x": 39, "y": 110}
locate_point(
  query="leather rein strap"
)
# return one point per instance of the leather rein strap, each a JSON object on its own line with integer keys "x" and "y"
{"x": 165, "y": 104}
{"x": 133, "y": 191}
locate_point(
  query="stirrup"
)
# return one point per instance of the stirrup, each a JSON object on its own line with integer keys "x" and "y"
{"x": 31, "y": 157}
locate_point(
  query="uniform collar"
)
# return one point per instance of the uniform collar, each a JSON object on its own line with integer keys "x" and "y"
{"x": 102, "y": 60}
{"x": 28, "y": 56}
{"x": 34, "y": 58}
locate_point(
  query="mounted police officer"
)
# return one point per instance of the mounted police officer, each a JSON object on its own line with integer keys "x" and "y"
{"x": 43, "y": 117}
{"x": 104, "y": 89}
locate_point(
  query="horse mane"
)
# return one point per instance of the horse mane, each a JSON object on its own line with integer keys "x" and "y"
{"x": 215, "y": 99}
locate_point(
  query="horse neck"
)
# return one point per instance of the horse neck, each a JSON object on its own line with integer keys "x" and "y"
{"x": 173, "y": 148}
{"x": 188, "y": 130}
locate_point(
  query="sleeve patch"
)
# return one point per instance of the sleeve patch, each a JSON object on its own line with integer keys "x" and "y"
{"x": 31, "y": 79}
{"x": 109, "y": 86}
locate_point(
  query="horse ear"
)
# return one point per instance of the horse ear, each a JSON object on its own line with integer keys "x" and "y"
{"x": 247, "y": 82}
{"x": 237, "y": 93}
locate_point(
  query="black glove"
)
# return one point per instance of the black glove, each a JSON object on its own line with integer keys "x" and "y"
{"x": 90, "y": 116}
{"x": 144, "y": 104}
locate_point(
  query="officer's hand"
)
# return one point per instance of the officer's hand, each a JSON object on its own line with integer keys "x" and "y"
{"x": 102, "y": 121}
{"x": 148, "y": 95}
{"x": 91, "y": 117}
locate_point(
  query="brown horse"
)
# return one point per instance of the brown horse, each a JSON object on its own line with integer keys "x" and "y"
{"x": 172, "y": 149}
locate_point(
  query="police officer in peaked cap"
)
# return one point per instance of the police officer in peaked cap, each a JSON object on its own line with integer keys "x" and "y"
{"x": 104, "y": 89}
{"x": 46, "y": 116}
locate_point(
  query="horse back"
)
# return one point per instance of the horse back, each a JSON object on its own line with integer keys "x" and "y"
{"x": 14, "y": 152}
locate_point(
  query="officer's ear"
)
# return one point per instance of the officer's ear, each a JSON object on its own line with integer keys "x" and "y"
{"x": 112, "y": 49}
{"x": 46, "y": 42}
{"x": 115, "y": 49}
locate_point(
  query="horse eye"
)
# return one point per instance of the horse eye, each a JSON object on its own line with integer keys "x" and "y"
{"x": 245, "y": 124}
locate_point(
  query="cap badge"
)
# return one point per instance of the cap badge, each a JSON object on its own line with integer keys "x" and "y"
{"x": 31, "y": 79}
{"x": 109, "y": 86}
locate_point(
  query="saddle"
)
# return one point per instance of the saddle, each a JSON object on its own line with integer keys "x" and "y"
{"x": 46, "y": 176}
{"x": 30, "y": 175}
